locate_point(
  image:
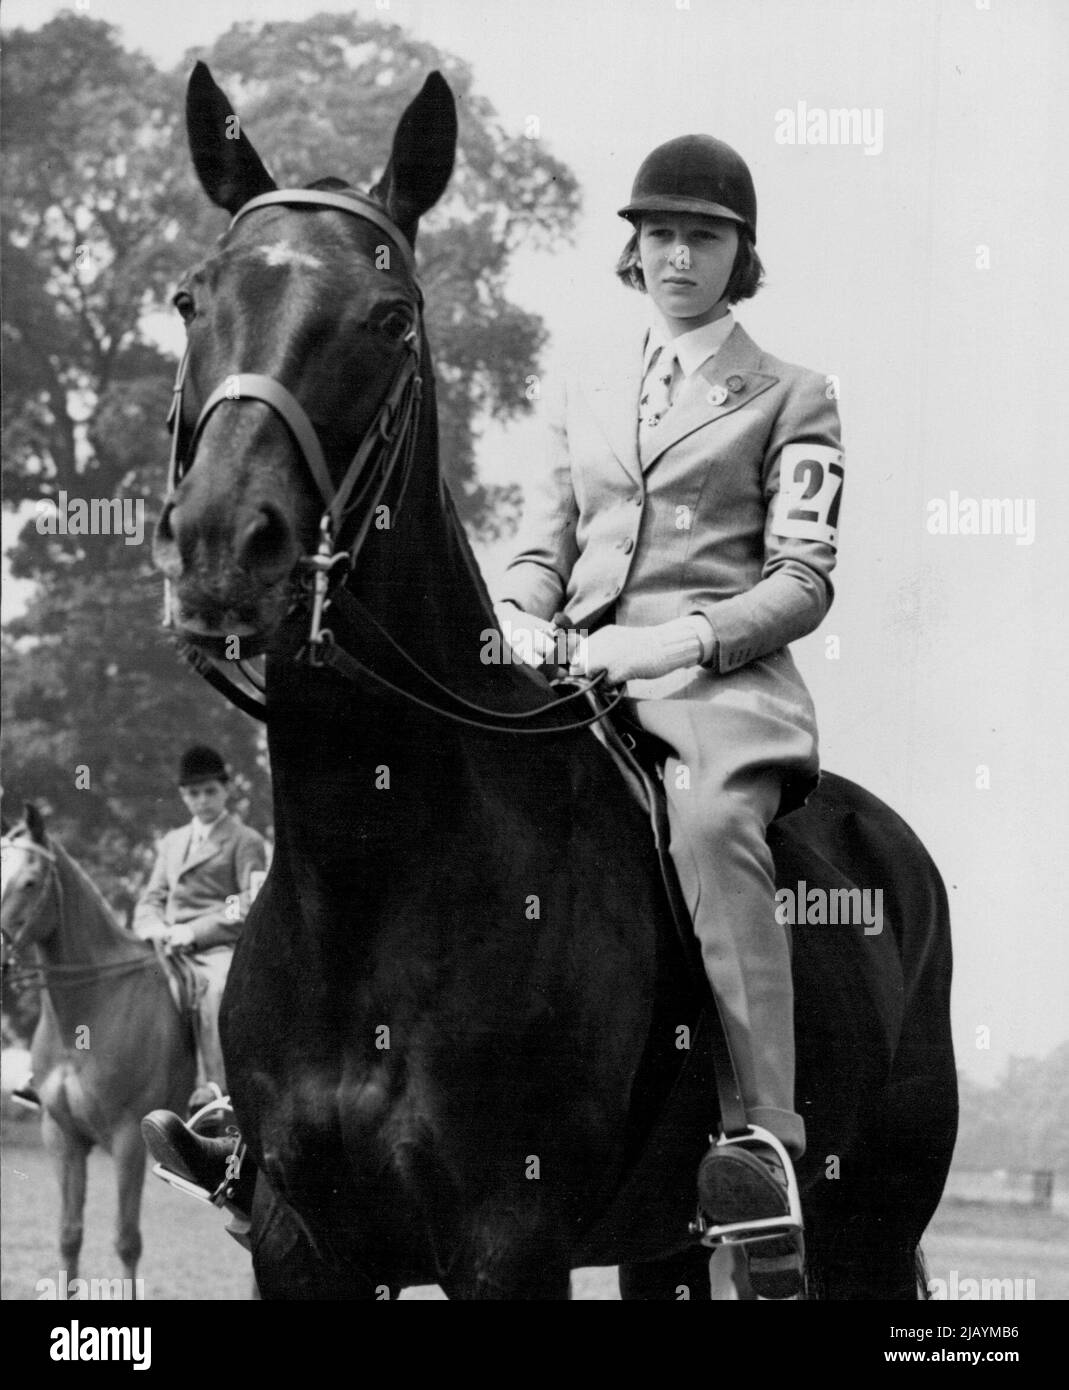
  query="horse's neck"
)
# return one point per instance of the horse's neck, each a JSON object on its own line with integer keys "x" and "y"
{"x": 419, "y": 580}
{"x": 86, "y": 932}
{"x": 336, "y": 744}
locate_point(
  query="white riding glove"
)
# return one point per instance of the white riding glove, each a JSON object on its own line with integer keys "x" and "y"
{"x": 533, "y": 640}
{"x": 643, "y": 653}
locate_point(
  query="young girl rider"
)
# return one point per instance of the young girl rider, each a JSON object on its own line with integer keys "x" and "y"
{"x": 686, "y": 519}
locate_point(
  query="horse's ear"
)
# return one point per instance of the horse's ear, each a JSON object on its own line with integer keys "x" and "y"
{"x": 228, "y": 167}
{"x": 421, "y": 161}
{"x": 35, "y": 822}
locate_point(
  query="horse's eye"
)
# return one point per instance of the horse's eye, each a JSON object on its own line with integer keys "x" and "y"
{"x": 395, "y": 320}
{"x": 183, "y": 302}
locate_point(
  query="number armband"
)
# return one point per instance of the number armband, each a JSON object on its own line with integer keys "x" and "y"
{"x": 810, "y": 490}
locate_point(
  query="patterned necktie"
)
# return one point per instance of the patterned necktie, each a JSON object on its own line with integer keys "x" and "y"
{"x": 657, "y": 390}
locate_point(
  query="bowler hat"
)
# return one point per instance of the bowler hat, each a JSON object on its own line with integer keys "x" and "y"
{"x": 201, "y": 764}
{"x": 695, "y": 173}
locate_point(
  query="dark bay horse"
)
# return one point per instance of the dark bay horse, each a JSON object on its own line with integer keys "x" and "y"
{"x": 456, "y": 1019}
{"x": 109, "y": 1045}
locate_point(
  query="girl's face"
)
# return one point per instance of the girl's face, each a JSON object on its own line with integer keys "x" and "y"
{"x": 687, "y": 261}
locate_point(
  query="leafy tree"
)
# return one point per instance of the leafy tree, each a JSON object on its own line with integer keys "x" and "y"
{"x": 102, "y": 214}
{"x": 96, "y": 707}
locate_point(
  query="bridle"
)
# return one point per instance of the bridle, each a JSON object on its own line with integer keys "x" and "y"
{"x": 55, "y": 976}
{"x": 389, "y": 442}
{"x": 386, "y": 453}
{"x": 13, "y": 940}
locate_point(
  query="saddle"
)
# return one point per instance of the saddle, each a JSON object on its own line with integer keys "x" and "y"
{"x": 640, "y": 757}
{"x": 181, "y": 976}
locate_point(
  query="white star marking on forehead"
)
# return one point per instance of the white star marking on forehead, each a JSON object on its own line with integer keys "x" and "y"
{"x": 281, "y": 253}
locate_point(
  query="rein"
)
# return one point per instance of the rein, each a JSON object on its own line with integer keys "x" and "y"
{"x": 387, "y": 449}
{"x": 56, "y": 977}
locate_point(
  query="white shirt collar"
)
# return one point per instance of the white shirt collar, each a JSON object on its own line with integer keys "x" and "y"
{"x": 201, "y": 831}
{"x": 693, "y": 349}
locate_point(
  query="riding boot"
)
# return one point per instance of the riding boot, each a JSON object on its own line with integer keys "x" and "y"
{"x": 746, "y": 1182}
{"x": 199, "y": 1160}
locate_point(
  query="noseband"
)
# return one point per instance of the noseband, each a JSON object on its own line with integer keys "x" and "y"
{"x": 388, "y": 447}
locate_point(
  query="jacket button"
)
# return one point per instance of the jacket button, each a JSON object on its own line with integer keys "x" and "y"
{"x": 626, "y": 546}
{"x": 735, "y": 383}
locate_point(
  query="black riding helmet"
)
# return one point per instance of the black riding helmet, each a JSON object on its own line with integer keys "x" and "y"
{"x": 695, "y": 173}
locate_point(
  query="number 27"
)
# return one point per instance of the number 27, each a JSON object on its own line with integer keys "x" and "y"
{"x": 813, "y": 474}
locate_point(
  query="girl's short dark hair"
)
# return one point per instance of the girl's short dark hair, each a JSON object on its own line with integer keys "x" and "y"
{"x": 747, "y": 274}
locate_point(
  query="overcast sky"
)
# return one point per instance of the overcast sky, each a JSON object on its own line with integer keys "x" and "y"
{"x": 921, "y": 267}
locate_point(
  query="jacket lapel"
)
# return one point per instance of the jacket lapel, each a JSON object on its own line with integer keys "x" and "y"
{"x": 178, "y": 849}
{"x": 207, "y": 848}
{"x": 706, "y": 396}
{"x": 611, "y": 384}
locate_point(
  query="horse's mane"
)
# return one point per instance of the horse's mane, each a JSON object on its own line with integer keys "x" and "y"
{"x": 90, "y": 890}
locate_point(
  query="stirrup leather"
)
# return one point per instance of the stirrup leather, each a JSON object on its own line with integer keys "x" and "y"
{"x": 765, "y": 1227}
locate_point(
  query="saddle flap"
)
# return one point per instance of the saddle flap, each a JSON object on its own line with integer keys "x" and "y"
{"x": 181, "y": 977}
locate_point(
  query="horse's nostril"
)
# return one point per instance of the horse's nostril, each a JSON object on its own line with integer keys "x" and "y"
{"x": 266, "y": 546}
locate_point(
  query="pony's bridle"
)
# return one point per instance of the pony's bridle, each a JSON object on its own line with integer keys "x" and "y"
{"x": 55, "y": 976}
{"x": 11, "y": 940}
{"x": 388, "y": 448}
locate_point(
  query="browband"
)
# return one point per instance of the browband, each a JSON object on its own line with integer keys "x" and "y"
{"x": 351, "y": 202}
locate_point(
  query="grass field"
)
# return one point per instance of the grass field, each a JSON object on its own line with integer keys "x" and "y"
{"x": 188, "y": 1254}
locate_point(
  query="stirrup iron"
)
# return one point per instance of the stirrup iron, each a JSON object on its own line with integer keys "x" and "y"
{"x": 221, "y": 1195}
{"x": 765, "y": 1227}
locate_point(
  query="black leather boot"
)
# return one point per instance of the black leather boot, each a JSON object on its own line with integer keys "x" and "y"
{"x": 199, "y": 1160}
{"x": 739, "y": 1185}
